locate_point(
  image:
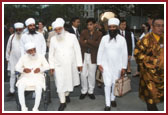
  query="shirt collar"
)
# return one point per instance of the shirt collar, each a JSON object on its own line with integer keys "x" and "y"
{"x": 156, "y": 37}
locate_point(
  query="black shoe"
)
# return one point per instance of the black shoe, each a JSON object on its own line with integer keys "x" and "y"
{"x": 152, "y": 107}
{"x": 91, "y": 96}
{"x": 107, "y": 108}
{"x": 10, "y": 94}
{"x": 68, "y": 99}
{"x": 82, "y": 96}
{"x": 62, "y": 107}
{"x": 113, "y": 104}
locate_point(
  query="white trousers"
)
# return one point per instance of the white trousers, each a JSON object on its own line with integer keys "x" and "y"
{"x": 62, "y": 96}
{"x": 88, "y": 75}
{"x": 21, "y": 90}
{"x": 12, "y": 82}
{"x": 109, "y": 94}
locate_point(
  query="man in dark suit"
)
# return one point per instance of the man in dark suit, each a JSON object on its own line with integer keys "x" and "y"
{"x": 75, "y": 22}
{"x": 127, "y": 34}
{"x": 89, "y": 41}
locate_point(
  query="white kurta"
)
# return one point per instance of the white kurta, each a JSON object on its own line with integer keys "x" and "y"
{"x": 37, "y": 39}
{"x": 64, "y": 57}
{"x": 32, "y": 79}
{"x": 113, "y": 57}
{"x": 13, "y": 56}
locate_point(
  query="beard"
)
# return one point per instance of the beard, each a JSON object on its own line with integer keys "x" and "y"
{"x": 32, "y": 31}
{"x": 33, "y": 56}
{"x": 113, "y": 34}
{"x": 18, "y": 35}
{"x": 60, "y": 36}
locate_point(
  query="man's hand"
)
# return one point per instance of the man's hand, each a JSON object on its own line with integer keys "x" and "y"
{"x": 80, "y": 68}
{"x": 123, "y": 72}
{"x": 52, "y": 71}
{"x": 6, "y": 62}
{"x": 100, "y": 68}
{"x": 37, "y": 70}
{"x": 85, "y": 41}
{"x": 27, "y": 70}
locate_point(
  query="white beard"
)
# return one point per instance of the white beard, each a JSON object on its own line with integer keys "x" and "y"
{"x": 33, "y": 56}
{"x": 60, "y": 36}
{"x": 18, "y": 36}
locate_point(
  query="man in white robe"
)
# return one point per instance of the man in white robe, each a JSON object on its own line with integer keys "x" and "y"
{"x": 112, "y": 60}
{"x": 13, "y": 54}
{"x": 33, "y": 36}
{"x": 32, "y": 67}
{"x": 65, "y": 59}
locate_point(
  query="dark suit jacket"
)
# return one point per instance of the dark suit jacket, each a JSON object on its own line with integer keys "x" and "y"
{"x": 93, "y": 43}
{"x": 129, "y": 41}
{"x": 71, "y": 30}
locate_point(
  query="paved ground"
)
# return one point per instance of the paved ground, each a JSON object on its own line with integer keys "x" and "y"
{"x": 129, "y": 102}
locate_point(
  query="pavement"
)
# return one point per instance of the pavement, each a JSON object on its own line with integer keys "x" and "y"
{"x": 128, "y": 102}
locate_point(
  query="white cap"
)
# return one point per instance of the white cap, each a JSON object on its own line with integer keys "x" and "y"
{"x": 113, "y": 21}
{"x": 18, "y": 25}
{"x": 59, "y": 22}
{"x": 30, "y": 21}
{"x": 29, "y": 46}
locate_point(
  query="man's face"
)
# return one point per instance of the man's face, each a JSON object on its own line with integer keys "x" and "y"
{"x": 19, "y": 30}
{"x": 32, "y": 51}
{"x": 31, "y": 27}
{"x": 158, "y": 27}
{"x": 112, "y": 27}
{"x": 123, "y": 25}
{"x": 40, "y": 25}
{"x": 76, "y": 23}
{"x": 58, "y": 30}
{"x": 91, "y": 26}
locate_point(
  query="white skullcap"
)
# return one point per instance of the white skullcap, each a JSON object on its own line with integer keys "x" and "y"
{"x": 113, "y": 21}
{"x": 59, "y": 22}
{"x": 18, "y": 25}
{"x": 29, "y": 46}
{"x": 30, "y": 21}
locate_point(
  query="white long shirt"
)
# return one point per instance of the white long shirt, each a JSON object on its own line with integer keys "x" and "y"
{"x": 32, "y": 79}
{"x": 37, "y": 39}
{"x": 65, "y": 57}
{"x": 13, "y": 51}
{"x": 113, "y": 56}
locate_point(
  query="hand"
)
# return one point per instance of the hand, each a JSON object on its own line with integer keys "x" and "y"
{"x": 26, "y": 70}
{"x": 37, "y": 70}
{"x": 52, "y": 71}
{"x": 85, "y": 41}
{"x": 123, "y": 72}
{"x": 6, "y": 62}
{"x": 100, "y": 68}
{"x": 80, "y": 68}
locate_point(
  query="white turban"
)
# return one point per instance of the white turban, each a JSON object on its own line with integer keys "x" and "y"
{"x": 113, "y": 21}
{"x": 29, "y": 46}
{"x": 59, "y": 22}
{"x": 30, "y": 21}
{"x": 18, "y": 25}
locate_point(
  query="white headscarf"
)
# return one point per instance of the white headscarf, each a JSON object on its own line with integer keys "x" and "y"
{"x": 18, "y": 25}
{"x": 30, "y": 21}
{"x": 59, "y": 22}
{"x": 29, "y": 46}
{"x": 113, "y": 21}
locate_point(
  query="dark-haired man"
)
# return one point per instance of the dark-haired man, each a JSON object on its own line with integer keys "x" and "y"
{"x": 74, "y": 28}
{"x": 89, "y": 41}
{"x": 112, "y": 60}
{"x": 149, "y": 54}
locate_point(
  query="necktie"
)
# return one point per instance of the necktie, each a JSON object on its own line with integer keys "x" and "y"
{"x": 77, "y": 34}
{"x": 122, "y": 33}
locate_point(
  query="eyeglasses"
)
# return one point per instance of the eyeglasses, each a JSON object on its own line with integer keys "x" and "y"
{"x": 18, "y": 29}
{"x": 159, "y": 25}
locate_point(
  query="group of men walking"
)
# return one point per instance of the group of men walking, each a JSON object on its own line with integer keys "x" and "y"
{"x": 73, "y": 59}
